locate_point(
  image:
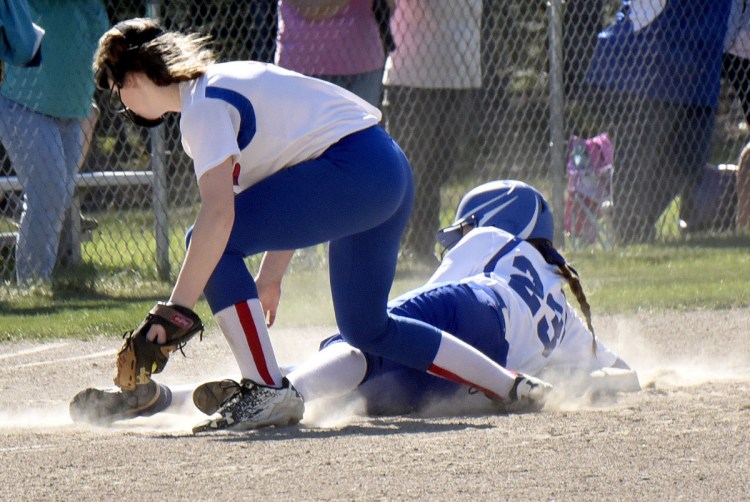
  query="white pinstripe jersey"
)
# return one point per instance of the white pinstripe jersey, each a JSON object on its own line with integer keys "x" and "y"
{"x": 542, "y": 328}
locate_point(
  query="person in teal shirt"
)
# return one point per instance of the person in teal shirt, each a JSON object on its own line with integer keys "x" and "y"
{"x": 42, "y": 114}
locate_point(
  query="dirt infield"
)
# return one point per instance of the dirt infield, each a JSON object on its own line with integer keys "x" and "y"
{"x": 685, "y": 436}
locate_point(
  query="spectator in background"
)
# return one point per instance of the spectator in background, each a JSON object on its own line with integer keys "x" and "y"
{"x": 263, "y": 30}
{"x": 581, "y": 21}
{"x": 20, "y": 45}
{"x": 338, "y": 41}
{"x": 737, "y": 72}
{"x": 660, "y": 63}
{"x": 432, "y": 79}
{"x": 251, "y": 34}
{"x": 42, "y": 116}
{"x": 737, "y": 54}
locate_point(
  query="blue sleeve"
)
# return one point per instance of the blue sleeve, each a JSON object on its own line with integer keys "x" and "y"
{"x": 20, "y": 38}
{"x": 675, "y": 56}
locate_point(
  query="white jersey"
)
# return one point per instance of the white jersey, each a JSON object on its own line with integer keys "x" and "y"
{"x": 265, "y": 118}
{"x": 542, "y": 328}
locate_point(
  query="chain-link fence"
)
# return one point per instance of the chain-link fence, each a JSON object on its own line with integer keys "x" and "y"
{"x": 630, "y": 116}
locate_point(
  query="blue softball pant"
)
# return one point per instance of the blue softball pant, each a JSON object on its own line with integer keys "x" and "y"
{"x": 472, "y": 313}
{"x": 357, "y": 196}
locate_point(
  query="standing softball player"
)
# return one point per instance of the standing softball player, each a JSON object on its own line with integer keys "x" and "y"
{"x": 514, "y": 310}
{"x": 283, "y": 161}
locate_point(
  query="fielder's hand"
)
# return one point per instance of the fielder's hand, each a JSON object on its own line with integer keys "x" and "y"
{"x": 269, "y": 294}
{"x": 140, "y": 356}
{"x": 157, "y": 334}
{"x": 271, "y": 271}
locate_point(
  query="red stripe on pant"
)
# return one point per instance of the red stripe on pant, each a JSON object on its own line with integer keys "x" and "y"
{"x": 253, "y": 341}
{"x": 443, "y": 373}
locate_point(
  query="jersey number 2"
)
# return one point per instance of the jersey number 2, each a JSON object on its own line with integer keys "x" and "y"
{"x": 529, "y": 287}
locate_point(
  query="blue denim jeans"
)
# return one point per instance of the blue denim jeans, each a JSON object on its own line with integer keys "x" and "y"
{"x": 44, "y": 152}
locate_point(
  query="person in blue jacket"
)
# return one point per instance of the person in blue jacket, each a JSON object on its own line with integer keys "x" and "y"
{"x": 20, "y": 38}
{"x": 660, "y": 63}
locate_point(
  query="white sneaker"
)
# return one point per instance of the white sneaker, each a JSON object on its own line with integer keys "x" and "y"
{"x": 254, "y": 406}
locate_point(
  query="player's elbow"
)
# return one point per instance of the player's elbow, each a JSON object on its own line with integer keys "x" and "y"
{"x": 222, "y": 218}
{"x": 219, "y": 217}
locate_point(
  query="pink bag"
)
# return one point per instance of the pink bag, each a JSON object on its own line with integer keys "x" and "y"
{"x": 589, "y": 184}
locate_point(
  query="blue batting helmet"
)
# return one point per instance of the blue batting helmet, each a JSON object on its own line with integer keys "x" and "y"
{"x": 513, "y": 206}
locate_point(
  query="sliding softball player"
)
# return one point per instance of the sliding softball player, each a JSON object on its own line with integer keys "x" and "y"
{"x": 499, "y": 289}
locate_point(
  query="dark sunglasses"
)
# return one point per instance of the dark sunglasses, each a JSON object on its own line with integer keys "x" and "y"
{"x": 107, "y": 73}
{"x": 104, "y": 77}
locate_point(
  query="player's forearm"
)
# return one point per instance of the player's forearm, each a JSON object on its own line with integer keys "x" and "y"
{"x": 274, "y": 265}
{"x": 210, "y": 236}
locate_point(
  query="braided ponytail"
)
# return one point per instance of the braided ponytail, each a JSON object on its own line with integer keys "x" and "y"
{"x": 553, "y": 257}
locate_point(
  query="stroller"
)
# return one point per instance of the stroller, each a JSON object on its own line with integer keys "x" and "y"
{"x": 589, "y": 191}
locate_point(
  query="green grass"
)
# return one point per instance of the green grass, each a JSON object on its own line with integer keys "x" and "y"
{"x": 697, "y": 274}
{"x": 96, "y": 307}
{"x": 113, "y": 305}
{"x": 125, "y": 240}
{"x": 118, "y": 283}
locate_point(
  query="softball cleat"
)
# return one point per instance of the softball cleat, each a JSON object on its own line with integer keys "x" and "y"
{"x": 248, "y": 405}
{"x": 210, "y": 396}
{"x": 104, "y": 406}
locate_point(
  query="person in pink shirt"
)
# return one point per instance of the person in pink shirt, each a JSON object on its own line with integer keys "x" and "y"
{"x": 339, "y": 42}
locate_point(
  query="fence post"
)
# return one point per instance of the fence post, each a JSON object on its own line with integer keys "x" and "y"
{"x": 556, "y": 116}
{"x": 160, "y": 193}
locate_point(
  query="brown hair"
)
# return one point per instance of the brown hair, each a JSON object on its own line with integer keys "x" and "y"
{"x": 142, "y": 45}
{"x": 553, "y": 257}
